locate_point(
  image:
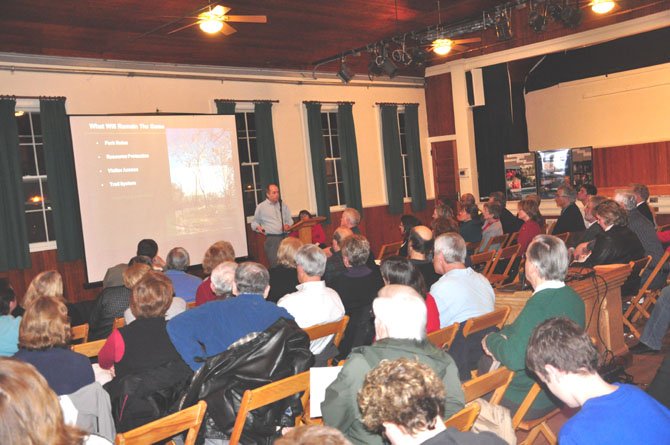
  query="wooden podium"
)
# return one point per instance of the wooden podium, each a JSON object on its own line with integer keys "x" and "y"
{"x": 602, "y": 300}
{"x": 304, "y": 228}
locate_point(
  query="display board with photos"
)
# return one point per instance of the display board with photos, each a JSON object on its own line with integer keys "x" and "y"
{"x": 520, "y": 178}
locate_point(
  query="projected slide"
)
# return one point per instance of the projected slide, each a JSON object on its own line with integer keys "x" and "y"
{"x": 172, "y": 178}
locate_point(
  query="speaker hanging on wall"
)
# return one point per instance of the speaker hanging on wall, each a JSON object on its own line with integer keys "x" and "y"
{"x": 475, "y": 84}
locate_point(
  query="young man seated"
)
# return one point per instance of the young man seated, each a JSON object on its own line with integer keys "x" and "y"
{"x": 563, "y": 356}
{"x": 404, "y": 400}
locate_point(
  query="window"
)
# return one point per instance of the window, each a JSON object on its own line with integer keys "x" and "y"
{"x": 38, "y": 211}
{"x": 334, "y": 178}
{"x": 252, "y": 192}
{"x": 403, "y": 153}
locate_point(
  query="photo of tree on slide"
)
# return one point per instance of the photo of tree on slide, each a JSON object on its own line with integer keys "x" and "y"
{"x": 202, "y": 176}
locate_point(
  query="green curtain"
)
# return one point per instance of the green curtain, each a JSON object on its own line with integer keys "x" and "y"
{"x": 14, "y": 249}
{"x": 417, "y": 187}
{"x": 265, "y": 144}
{"x": 318, "y": 150}
{"x": 349, "y": 155}
{"x": 392, "y": 158}
{"x": 61, "y": 178}
{"x": 225, "y": 106}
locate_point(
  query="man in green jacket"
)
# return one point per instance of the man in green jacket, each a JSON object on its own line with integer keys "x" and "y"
{"x": 546, "y": 267}
{"x": 400, "y": 326}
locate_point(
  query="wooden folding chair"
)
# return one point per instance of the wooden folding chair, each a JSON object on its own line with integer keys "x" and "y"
{"x": 534, "y": 427}
{"x": 564, "y": 236}
{"x": 443, "y": 337}
{"x": 267, "y": 394}
{"x": 464, "y": 419}
{"x": 550, "y": 227}
{"x": 389, "y": 249}
{"x": 335, "y": 328}
{"x": 190, "y": 305}
{"x": 80, "y": 332}
{"x": 473, "y": 246}
{"x": 119, "y": 322}
{"x": 508, "y": 254}
{"x": 637, "y": 309}
{"x": 481, "y": 262}
{"x": 188, "y": 419}
{"x": 513, "y": 239}
{"x": 496, "y": 241}
{"x": 89, "y": 349}
{"x": 496, "y": 318}
{"x": 663, "y": 228}
{"x": 495, "y": 381}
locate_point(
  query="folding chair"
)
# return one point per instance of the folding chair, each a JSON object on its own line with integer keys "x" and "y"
{"x": 473, "y": 246}
{"x": 188, "y": 419}
{"x": 481, "y": 262}
{"x": 443, "y": 337}
{"x": 335, "y": 328}
{"x": 389, "y": 249}
{"x": 508, "y": 254}
{"x": 267, "y": 394}
{"x": 80, "y": 332}
{"x": 513, "y": 239}
{"x": 496, "y": 318}
{"x": 496, "y": 241}
{"x": 89, "y": 349}
{"x": 464, "y": 419}
{"x": 663, "y": 228}
{"x": 564, "y": 236}
{"x": 190, "y": 305}
{"x": 119, "y": 322}
{"x": 637, "y": 309}
{"x": 534, "y": 427}
{"x": 550, "y": 227}
{"x": 495, "y": 381}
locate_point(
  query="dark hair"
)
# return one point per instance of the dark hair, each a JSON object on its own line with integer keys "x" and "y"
{"x": 419, "y": 244}
{"x": 499, "y": 197}
{"x": 7, "y": 295}
{"x": 590, "y": 189}
{"x": 563, "y": 344}
{"x": 304, "y": 212}
{"x": 532, "y": 210}
{"x": 399, "y": 270}
{"x": 409, "y": 222}
{"x": 470, "y": 209}
{"x": 140, "y": 259}
{"x": 147, "y": 247}
{"x": 443, "y": 225}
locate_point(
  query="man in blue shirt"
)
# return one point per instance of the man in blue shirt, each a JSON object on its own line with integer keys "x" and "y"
{"x": 210, "y": 329}
{"x": 563, "y": 356}
{"x": 185, "y": 285}
{"x": 272, "y": 219}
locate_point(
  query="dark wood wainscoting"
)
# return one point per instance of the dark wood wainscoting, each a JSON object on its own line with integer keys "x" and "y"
{"x": 644, "y": 163}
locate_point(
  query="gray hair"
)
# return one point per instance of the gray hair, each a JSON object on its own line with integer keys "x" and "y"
{"x": 223, "y": 278}
{"x": 251, "y": 278}
{"x": 451, "y": 246}
{"x": 352, "y": 215}
{"x": 178, "y": 259}
{"x": 568, "y": 192}
{"x": 549, "y": 256}
{"x": 642, "y": 190}
{"x": 311, "y": 259}
{"x": 356, "y": 249}
{"x": 401, "y": 311}
{"x": 627, "y": 199}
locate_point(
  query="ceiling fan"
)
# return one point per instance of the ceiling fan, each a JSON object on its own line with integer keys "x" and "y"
{"x": 214, "y": 19}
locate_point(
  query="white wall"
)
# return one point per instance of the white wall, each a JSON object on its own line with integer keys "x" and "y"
{"x": 109, "y": 94}
{"x": 625, "y": 108}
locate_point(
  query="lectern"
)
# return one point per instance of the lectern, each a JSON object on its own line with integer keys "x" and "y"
{"x": 304, "y": 228}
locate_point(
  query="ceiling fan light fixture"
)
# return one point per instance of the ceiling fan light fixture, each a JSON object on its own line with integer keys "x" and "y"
{"x": 217, "y": 10}
{"x": 602, "y": 6}
{"x": 211, "y": 26}
{"x": 442, "y": 47}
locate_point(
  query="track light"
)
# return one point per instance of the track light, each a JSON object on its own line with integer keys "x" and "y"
{"x": 345, "y": 73}
{"x": 419, "y": 56}
{"x": 537, "y": 21}
{"x": 571, "y": 16}
{"x": 602, "y": 6}
{"x": 503, "y": 25}
{"x": 389, "y": 67}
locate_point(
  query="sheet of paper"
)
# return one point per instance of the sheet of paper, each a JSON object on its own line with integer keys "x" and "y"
{"x": 102, "y": 376}
{"x": 319, "y": 380}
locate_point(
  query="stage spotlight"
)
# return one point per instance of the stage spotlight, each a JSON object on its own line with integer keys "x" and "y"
{"x": 503, "y": 25}
{"x": 419, "y": 56}
{"x": 345, "y": 73}
{"x": 602, "y": 6}
{"x": 571, "y": 16}
{"x": 537, "y": 21}
{"x": 389, "y": 67}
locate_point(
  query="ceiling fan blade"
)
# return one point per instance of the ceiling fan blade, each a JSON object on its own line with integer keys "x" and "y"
{"x": 471, "y": 40}
{"x": 246, "y": 18}
{"x": 183, "y": 27}
{"x": 227, "y": 29}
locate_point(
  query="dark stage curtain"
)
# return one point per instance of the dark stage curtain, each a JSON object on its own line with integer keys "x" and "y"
{"x": 349, "y": 156}
{"x": 392, "y": 157}
{"x": 318, "y": 150}
{"x": 417, "y": 187}
{"x": 265, "y": 144}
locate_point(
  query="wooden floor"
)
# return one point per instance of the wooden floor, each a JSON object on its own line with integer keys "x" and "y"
{"x": 643, "y": 369}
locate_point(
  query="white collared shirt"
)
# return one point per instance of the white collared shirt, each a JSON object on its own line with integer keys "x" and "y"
{"x": 549, "y": 284}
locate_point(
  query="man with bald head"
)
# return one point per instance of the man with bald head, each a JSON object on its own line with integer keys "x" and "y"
{"x": 419, "y": 246}
{"x": 335, "y": 264}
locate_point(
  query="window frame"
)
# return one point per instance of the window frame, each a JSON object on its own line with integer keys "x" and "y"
{"x": 327, "y": 133}
{"x": 248, "y": 108}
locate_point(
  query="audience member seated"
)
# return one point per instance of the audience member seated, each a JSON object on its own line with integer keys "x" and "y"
{"x": 30, "y": 411}
{"x": 318, "y": 234}
{"x": 407, "y": 223}
{"x": 177, "y": 306}
{"x": 351, "y": 218}
{"x": 590, "y": 222}
{"x": 113, "y": 301}
{"x": 44, "y": 342}
{"x": 217, "y": 253}
{"x": 571, "y": 219}
{"x": 223, "y": 280}
{"x": 45, "y": 284}
{"x": 510, "y": 223}
{"x": 529, "y": 213}
{"x": 444, "y": 208}
{"x": 564, "y": 358}
{"x": 312, "y": 435}
{"x": 616, "y": 245}
{"x": 400, "y": 327}
{"x": 405, "y": 400}
{"x": 471, "y": 225}
{"x": 335, "y": 264}
{"x": 283, "y": 275}
{"x": 444, "y": 225}
{"x": 357, "y": 287}
{"x": 546, "y": 267}
{"x": 651, "y": 340}
{"x": 9, "y": 325}
{"x": 185, "y": 285}
{"x": 585, "y": 192}
{"x": 492, "y": 226}
{"x": 313, "y": 303}
{"x": 145, "y": 248}
{"x": 420, "y": 249}
{"x": 210, "y": 329}
{"x": 468, "y": 200}
{"x": 641, "y": 196}
{"x": 646, "y": 233}
{"x": 143, "y": 357}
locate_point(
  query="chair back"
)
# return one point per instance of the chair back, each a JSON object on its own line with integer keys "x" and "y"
{"x": 89, "y": 349}
{"x": 550, "y": 227}
{"x": 508, "y": 254}
{"x": 513, "y": 239}
{"x": 482, "y": 262}
{"x": 464, "y": 419}
{"x": 472, "y": 246}
{"x": 190, "y": 305}
{"x": 496, "y": 381}
{"x": 635, "y": 305}
{"x": 534, "y": 427}
{"x": 335, "y": 328}
{"x": 496, "y": 241}
{"x": 389, "y": 249}
{"x": 187, "y": 419}
{"x": 496, "y": 318}
{"x": 638, "y": 266}
{"x": 267, "y": 394}
{"x": 663, "y": 228}
{"x": 119, "y": 322}
{"x": 564, "y": 236}
{"x": 80, "y": 332}
{"x": 443, "y": 337}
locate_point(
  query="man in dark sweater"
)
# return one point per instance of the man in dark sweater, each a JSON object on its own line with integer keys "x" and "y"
{"x": 641, "y": 196}
{"x": 419, "y": 247}
{"x": 510, "y": 223}
{"x": 570, "y": 219}
{"x": 334, "y": 264}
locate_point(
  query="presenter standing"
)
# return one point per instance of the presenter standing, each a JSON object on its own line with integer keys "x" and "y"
{"x": 273, "y": 219}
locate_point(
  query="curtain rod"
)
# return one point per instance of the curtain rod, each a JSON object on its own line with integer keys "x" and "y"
{"x": 253, "y": 101}
{"x": 11, "y": 96}
{"x": 328, "y": 102}
{"x": 397, "y": 103}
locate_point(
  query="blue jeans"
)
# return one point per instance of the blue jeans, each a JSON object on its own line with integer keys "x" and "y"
{"x": 658, "y": 323}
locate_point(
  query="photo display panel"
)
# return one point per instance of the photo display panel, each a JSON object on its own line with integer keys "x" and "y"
{"x": 175, "y": 179}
